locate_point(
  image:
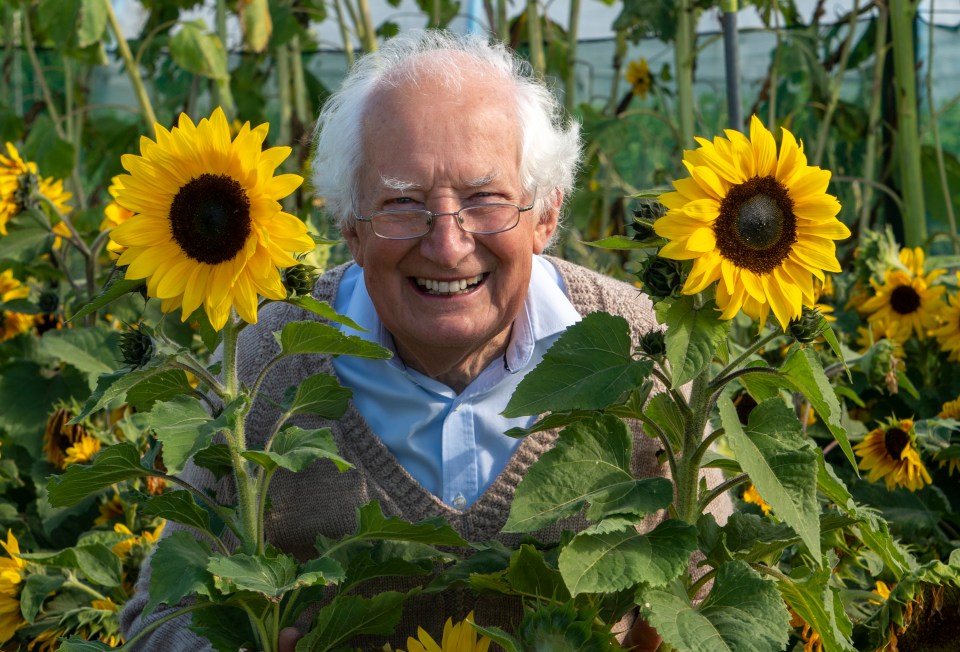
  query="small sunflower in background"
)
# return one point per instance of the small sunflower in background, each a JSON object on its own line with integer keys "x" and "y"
{"x": 759, "y": 224}
{"x": 13, "y": 323}
{"x": 113, "y": 216}
{"x": 461, "y": 637}
{"x": 751, "y": 495}
{"x": 907, "y": 302}
{"x": 208, "y": 229}
{"x": 12, "y": 169}
{"x": 948, "y": 330}
{"x": 12, "y": 569}
{"x": 639, "y": 77}
{"x": 890, "y": 454}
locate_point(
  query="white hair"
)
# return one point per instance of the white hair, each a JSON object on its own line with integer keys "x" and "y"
{"x": 550, "y": 149}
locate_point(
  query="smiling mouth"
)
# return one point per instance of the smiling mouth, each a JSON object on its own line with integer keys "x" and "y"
{"x": 456, "y": 286}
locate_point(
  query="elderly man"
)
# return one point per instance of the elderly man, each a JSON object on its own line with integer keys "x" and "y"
{"x": 447, "y": 166}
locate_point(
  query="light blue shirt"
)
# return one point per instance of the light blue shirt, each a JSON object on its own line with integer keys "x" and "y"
{"x": 452, "y": 444}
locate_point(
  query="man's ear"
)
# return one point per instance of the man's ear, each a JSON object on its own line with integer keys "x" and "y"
{"x": 350, "y": 234}
{"x": 549, "y": 219}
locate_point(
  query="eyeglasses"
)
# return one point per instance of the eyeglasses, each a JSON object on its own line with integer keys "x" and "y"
{"x": 482, "y": 219}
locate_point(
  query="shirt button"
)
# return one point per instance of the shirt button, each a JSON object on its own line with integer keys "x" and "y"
{"x": 459, "y": 502}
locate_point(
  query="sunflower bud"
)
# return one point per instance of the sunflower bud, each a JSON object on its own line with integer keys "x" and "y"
{"x": 648, "y": 210}
{"x": 299, "y": 280}
{"x": 653, "y": 344}
{"x": 661, "y": 277}
{"x": 49, "y": 301}
{"x": 808, "y": 326}
{"x": 136, "y": 347}
{"x": 27, "y": 193}
{"x": 880, "y": 365}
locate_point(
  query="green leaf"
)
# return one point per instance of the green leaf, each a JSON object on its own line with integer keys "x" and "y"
{"x": 820, "y": 607}
{"x": 323, "y": 309}
{"x": 551, "y": 421}
{"x": 257, "y": 24}
{"x": 613, "y": 556}
{"x": 742, "y": 613}
{"x": 751, "y": 538}
{"x": 178, "y": 506}
{"x": 270, "y": 576}
{"x": 349, "y": 616}
{"x": 114, "y": 464}
{"x": 228, "y": 628}
{"x": 589, "y": 463}
{"x": 804, "y": 372}
{"x": 320, "y": 394}
{"x": 374, "y": 525}
{"x": 77, "y": 644}
{"x": 181, "y": 426}
{"x": 370, "y": 560}
{"x": 114, "y": 386}
{"x": 295, "y": 449}
{"x": 196, "y": 50}
{"x": 158, "y": 387}
{"x": 21, "y": 241}
{"x": 589, "y": 367}
{"x": 35, "y": 590}
{"x": 28, "y": 393}
{"x": 113, "y": 290}
{"x": 179, "y": 569}
{"x": 693, "y": 336}
{"x": 96, "y": 562}
{"x": 618, "y": 242}
{"x": 530, "y": 575}
{"x": 314, "y": 337}
{"x": 664, "y": 412}
{"x": 216, "y": 459}
{"x": 781, "y": 463}
{"x": 74, "y": 23}
{"x": 93, "y": 350}
{"x": 53, "y": 155}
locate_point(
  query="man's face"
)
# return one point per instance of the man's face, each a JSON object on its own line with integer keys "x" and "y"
{"x": 444, "y": 149}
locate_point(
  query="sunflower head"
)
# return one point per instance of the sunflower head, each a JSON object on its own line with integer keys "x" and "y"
{"x": 207, "y": 228}
{"x": 653, "y": 343}
{"x": 751, "y": 495}
{"x": 890, "y": 453}
{"x": 136, "y": 347}
{"x": 757, "y": 222}
{"x": 639, "y": 77}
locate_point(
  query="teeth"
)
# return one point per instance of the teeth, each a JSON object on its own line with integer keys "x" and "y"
{"x": 458, "y": 286}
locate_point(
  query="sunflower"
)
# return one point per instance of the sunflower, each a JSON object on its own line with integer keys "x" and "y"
{"x": 890, "y": 452}
{"x": 82, "y": 451}
{"x": 812, "y": 642}
{"x": 751, "y": 495}
{"x": 12, "y": 168}
{"x": 948, "y": 332}
{"x": 461, "y": 637}
{"x": 208, "y": 228}
{"x": 13, "y": 323}
{"x": 639, "y": 77}
{"x": 148, "y": 538}
{"x": 11, "y": 575}
{"x": 113, "y": 216}
{"x": 907, "y": 302}
{"x": 760, "y": 224}
{"x": 60, "y": 435}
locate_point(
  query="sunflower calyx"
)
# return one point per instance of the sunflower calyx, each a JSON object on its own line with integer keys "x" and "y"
{"x": 49, "y": 301}
{"x": 299, "y": 280}
{"x": 653, "y": 344}
{"x": 136, "y": 347}
{"x": 661, "y": 278}
{"x": 880, "y": 364}
{"x": 26, "y": 196}
{"x": 808, "y": 327}
{"x": 648, "y": 209}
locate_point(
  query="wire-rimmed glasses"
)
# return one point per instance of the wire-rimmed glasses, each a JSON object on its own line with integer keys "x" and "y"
{"x": 481, "y": 219}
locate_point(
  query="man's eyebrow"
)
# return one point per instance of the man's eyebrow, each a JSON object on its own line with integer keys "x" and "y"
{"x": 392, "y": 183}
{"x": 479, "y": 182}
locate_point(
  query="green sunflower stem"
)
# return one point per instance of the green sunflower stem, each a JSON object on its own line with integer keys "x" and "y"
{"x": 902, "y": 19}
{"x": 685, "y": 57}
{"x": 570, "y": 79}
{"x": 535, "y": 36}
{"x": 687, "y": 478}
{"x": 133, "y": 70}
{"x": 874, "y": 121}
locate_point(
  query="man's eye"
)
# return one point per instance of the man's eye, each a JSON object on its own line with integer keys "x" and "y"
{"x": 400, "y": 202}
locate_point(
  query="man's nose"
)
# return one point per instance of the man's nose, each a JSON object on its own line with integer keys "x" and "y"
{"x": 447, "y": 244}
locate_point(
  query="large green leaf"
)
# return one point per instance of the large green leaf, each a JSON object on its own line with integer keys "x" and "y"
{"x": 819, "y": 605}
{"x": 374, "y": 525}
{"x": 77, "y": 644}
{"x": 781, "y": 463}
{"x": 742, "y": 613}
{"x": 180, "y": 507}
{"x": 74, "y": 23}
{"x": 530, "y": 575}
{"x": 368, "y": 560}
{"x": 95, "y": 561}
{"x": 93, "y": 351}
{"x": 111, "y": 291}
{"x": 295, "y": 449}
{"x": 805, "y": 374}
{"x": 28, "y": 393}
{"x": 314, "y": 337}
{"x": 179, "y": 569}
{"x": 114, "y": 386}
{"x": 36, "y": 588}
{"x": 158, "y": 387}
{"x": 613, "y": 556}
{"x": 589, "y": 367}
{"x": 323, "y": 309}
{"x": 272, "y": 576}
{"x": 320, "y": 394}
{"x": 751, "y": 538}
{"x": 181, "y": 425}
{"x": 349, "y": 616}
{"x": 114, "y": 464}
{"x": 693, "y": 336}
{"x": 197, "y": 50}
{"x": 21, "y": 241}
{"x": 589, "y": 463}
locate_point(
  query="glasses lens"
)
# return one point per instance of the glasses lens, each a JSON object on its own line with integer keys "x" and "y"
{"x": 490, "y": 218}
{"x": 400, "y": 225}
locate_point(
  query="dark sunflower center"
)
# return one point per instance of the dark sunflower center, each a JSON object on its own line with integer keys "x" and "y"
{"x": 756, "y": 227}
{"x": 895, "y": 440}
{"x": 210, "y": 217}
{"x": 904, "y": 299}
